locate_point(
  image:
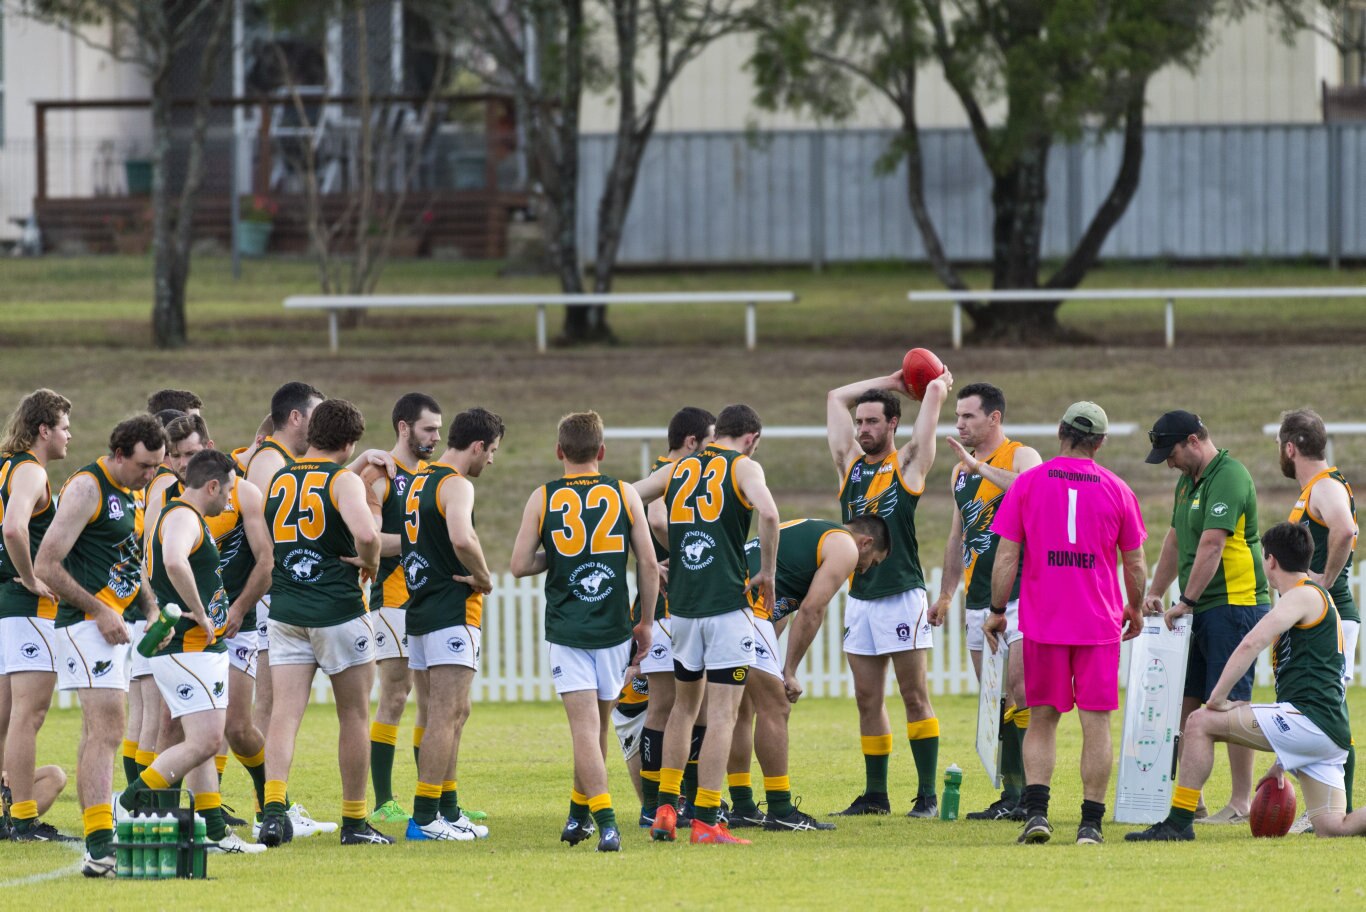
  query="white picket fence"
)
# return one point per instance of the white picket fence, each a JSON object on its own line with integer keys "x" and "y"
{"x": 514, "y": 664}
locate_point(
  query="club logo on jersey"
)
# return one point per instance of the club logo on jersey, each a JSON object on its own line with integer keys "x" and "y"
{"x": 414, "y": 570}
{"x": 125, "y": 576}
{"x": 218, "y": 688}
{"x": 262, "y": 629}
{"x": 362, "y": 643}
{"x": 30, "y": 650}
{"x": 185, "y": 691}
{"x": 628, "y": 743}
{"x": 856, "y": 475}
{"x": 592, "y": 582}
{"x": 303, "y": 565}
{"x": 115, "y": 507}
{"x": 903, "y": 632}
{"x": 455, "y": 645}
{"x": 747, "y": 644}
{"x": 102, "y": 668}
{"x": 380, "y": 639}
{"x": 783, "y": 608}
{"x": 695, "y": 546}
{"x": 761, "y": 650}
{"x": 640, "y": 685}
{"x": 71, "y": 665}
{"x": 658, "y": 651}
{"x": 962, "y": 481}
{"x": 242, "y": 654}
{"x": 1218, "y": 509}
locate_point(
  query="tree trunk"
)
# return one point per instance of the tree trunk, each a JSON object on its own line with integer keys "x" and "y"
{"x": 168, "y": 289}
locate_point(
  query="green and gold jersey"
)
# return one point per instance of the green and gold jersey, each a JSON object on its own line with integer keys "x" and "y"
{"x": 1341, "y": 588}
{"x": 173, "y": 490}
{"x": 1224, "y": 498}
{"x": 635, "y": 697}
{"x": 106, "y": 558}
{"x": 586, "y": 533}
{"x": 877, "y": 488}
{"x": 389, "y": 589}
{"x": 708, "y": 523}
{"x": 204, "y": 560}
{"x": 270, "y": 443}
{"x": 15, "y": 600}
{"x": 235, "y": 558}
{"x": 435, "y": 600}
{"x": 977, "y": 499}
{"x": 1308, "y": 662}
{"x": 661, "y": 555}
{"x": 238, "y": 462}
{"x": 310, "y": 584}
{"x": 799, "y": 557}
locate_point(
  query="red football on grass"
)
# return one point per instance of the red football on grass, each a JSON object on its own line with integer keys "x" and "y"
{"x": 918, "y": 368}
{"x": 1273, "y": 809}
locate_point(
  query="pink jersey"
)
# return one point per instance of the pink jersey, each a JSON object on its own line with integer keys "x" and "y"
{"x": 1072, "y": 517}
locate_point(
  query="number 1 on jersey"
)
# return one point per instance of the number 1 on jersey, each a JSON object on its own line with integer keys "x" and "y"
{"x": 1071, "y": 516}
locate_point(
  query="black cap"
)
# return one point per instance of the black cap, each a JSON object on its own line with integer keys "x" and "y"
{"x": 1169, "y": 430}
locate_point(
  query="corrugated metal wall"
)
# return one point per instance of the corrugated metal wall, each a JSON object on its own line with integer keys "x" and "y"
{"x": 799, "y": 197}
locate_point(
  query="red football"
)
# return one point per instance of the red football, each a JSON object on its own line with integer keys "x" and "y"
{"x": 918, "y": 368}
{"x": 1273, "y": 809}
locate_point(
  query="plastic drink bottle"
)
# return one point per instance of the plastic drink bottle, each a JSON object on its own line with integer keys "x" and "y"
{"x": 948, "y": 805}
{"x": 124, "y": 854}
{"x": 157, "y": 630}
{"x": 168, "y": 831}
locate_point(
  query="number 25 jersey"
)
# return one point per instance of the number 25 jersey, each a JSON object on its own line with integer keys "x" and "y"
{"x": 310, "y": 585}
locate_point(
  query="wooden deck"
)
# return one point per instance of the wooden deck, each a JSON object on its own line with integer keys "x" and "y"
{"x": 471, "y": 223}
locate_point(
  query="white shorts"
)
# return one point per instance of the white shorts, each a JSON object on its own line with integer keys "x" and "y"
{"x": 767, "y": 657}
{"x": 976, "y": 616}
{"x": 458, "y": 645}
{"x": 1300, "y": 745}
{"x": 391, "y": 637}
{"x": 1351, "y": 632}
{"x": 720, "y": 641}
{"x": 86, "y": 661}
{"x": 628, "y": 729}
{"x": 660, "y": 658}
{"x": 27, "y": 644}
{"x": 138, "y": 667}
{"x": 242, "y": 651}
{"x": 603, "y": 670}
{"x": 333, "y": 649}
{"x": 192, "y": 682}
{"x": 896, "y": 623}
{"x": 262, "y": 624}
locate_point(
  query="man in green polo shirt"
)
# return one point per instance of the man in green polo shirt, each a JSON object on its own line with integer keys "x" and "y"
{"x": 1213, "y": 548}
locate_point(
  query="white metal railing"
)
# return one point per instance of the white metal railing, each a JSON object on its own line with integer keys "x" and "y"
{"x": 1167, "y": 295}
{"x": 647, "y": 436}
{"x": 335, "y": 304}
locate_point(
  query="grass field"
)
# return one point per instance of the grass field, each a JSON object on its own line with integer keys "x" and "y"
{"x": 514, "y": 765}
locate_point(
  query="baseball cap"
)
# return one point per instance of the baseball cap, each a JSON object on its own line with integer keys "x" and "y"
{"x": 1086, "y": 417}
{"x": 1169, "y": 430}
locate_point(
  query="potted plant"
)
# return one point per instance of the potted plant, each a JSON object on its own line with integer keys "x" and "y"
{"x": 137, "y": 173}
{"x": 130, "y": 234}
{"x": 256, "y": 221}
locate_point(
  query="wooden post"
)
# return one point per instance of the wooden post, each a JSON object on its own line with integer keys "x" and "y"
{"x": 260, "y": 182}
{"x": 490, "y": 144}
{"x": 40, "y": 146}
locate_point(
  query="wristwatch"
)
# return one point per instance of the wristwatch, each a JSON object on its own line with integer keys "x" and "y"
{"x": 995, "y": 610}
{"x": 1186, "y": 600}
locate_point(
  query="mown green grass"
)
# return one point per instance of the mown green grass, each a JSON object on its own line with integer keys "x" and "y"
{"x": 514, "y": 765}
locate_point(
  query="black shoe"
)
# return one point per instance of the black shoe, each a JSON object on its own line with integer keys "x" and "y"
{"x": 1036, "y": 831}
{"x": 1002, "y": 808}
{"x": 685, "y": 813}
{"x": 646, "y": 820}
{"x": 1162, "y": 831}
{"x": 866, "y": 804}
{"x": 41, "y": 832}
{"x": 926, "y": 806}
{"x": 575, "y": 832}
{"x": 364, "y": 835}
{"x": 610, "y": 840}
{"x": 1089, "y": 834}
{"x": 742, "y": 819}
{"x": 797, "y": 820}
{"x": 275, "y": 831}
{"x": 230, "y": 817}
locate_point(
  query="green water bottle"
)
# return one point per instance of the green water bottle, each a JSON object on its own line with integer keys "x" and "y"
{"x": 124, "y": 853}
{"x": 197, "y": 862}
{"x": 169, "y": 834}
{"x": 157, "y": 630}
{"x": 139, "y": 854}
{"x": 948, "y": 804}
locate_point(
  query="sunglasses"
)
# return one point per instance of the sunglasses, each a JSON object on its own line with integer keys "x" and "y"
{"x": 1161, "y": 440}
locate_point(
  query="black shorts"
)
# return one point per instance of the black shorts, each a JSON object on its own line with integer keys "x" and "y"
{"x": 1216, "y": 633}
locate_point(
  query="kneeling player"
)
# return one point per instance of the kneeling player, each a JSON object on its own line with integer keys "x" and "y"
{"x": 815, "y": 557}
{"x": 1306, "y": 728}
{"x": 576, "y": 529}
{"x": 191, "y": 664}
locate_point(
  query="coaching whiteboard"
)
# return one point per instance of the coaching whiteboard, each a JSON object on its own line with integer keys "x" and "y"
{"x": 1152, "y": 721}
{"x": 989, "y": 710}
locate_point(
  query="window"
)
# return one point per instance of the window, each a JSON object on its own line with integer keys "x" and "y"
{"x": 1353, "y": 43}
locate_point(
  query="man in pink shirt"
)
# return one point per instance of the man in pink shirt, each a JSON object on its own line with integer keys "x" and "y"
{"x": 1069, "y": 517}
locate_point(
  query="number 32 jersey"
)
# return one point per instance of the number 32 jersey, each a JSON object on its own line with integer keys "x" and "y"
{"x": 585, "y": 531}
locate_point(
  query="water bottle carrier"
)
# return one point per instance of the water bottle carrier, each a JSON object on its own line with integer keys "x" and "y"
{"x": 191, "y": 856}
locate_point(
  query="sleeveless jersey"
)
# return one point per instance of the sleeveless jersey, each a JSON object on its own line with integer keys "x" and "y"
{"x": 635, "y": 697}
{"x": 270, "y": 443}
{"x": 708, "y": 523}
{"x": 237, "y": 461}
{"x": 173, "y": 490}
{"x": 586, "y": 533}
{"x": 435, "y": 601}
{"x": 1308, "y": 662}
{"x": 661, "y": 554}
{"x": 189, "y": 636}
{"x": 15, "y": 600}
{"x": 235, "y": 560}
{"x": 1341, "y": 588}
{"x": 799, "y": 557}
{"x": 977, "y": 499}
{"x": 878, "y": 488}
{"x": 389, "y": 589}
{"x": 310, "y": 585}
{"x": 106, "y": 558}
